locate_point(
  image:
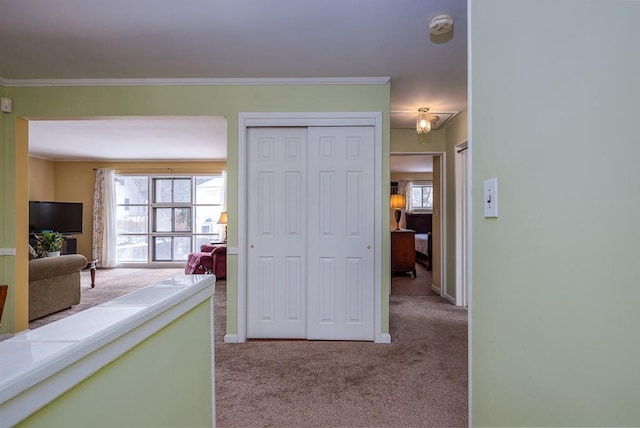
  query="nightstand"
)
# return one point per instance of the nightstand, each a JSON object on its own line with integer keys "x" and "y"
{"x": 403, "y": 251}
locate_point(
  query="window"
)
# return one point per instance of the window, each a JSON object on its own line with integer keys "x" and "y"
{"x": 421, "y": 195}
{"x": 163, "y": 219}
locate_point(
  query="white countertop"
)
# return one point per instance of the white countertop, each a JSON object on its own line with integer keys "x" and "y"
{"x": 31, "y": 357}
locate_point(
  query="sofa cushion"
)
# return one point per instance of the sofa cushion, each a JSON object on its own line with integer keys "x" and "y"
{"x": 49, "y": 267}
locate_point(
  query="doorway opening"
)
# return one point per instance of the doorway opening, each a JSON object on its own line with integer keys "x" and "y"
{"x": 417, "y": 249}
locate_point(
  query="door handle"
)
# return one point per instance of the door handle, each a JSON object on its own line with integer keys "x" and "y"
{"x": 252, "y": 246}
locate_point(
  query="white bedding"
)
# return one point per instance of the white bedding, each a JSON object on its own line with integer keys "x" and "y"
{"x": 421, "y": 243}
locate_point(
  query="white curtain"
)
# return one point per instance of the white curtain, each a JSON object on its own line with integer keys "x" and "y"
{"x": 104, "y": 218}
{"x": 224, "y": 190}
{"x": 404, "y": 188}
{"x": 223, "y": 201}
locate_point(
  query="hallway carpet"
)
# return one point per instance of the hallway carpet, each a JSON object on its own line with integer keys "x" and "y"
{"x": 419, "y": 380}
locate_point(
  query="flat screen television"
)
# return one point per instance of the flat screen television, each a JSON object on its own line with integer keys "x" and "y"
{"x": 63, "y": 217}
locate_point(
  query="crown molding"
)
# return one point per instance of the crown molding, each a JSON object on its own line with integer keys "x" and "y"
{"x": 199, "y": 81}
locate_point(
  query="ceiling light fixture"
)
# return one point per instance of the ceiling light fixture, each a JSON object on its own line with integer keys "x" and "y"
{"x": 423, "y": 123}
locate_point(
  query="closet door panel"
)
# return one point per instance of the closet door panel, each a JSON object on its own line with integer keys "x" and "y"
{"x": 341, "y": 233}
{"x": 276, "y": 232}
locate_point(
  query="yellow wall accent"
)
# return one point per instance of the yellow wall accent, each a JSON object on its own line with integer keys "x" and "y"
{"x": 21, "y": 285}
{"x": 41, "y": 179}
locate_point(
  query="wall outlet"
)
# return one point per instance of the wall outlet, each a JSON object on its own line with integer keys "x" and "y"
{"x": 6, "y": 104}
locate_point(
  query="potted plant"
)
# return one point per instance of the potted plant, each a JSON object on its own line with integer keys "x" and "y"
{"x": 51, "y": 243}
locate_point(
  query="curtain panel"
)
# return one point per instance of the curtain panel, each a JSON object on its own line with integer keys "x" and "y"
{"x": 104, "y": 218}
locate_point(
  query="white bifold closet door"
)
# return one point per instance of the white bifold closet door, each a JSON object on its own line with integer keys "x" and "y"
{"x": 310, "y": 214}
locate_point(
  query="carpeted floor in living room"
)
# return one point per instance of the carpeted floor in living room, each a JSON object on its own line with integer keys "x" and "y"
{"x": 419, "y": 380}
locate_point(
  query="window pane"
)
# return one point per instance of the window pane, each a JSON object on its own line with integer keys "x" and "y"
{"x": 132, "y": 189}
{"x": 427, "y": 197}
{"x": 162, "y": 189}
{"x": 162, "y": 248}
{"x": 199, "y": 240}
{"x": 131, "y": 219}
{"x": 182, "y": 190}
{"x": 162, "y": 220}
{"x": 416, "y": 197}
{"x": 149, "y": 205}
{"x": 181, "y": 247}
{"x": 206, "y": 219}
{"x": 132, "y": 249}
{"x": 182, "y": 220}
{"x": 209, "y": 190}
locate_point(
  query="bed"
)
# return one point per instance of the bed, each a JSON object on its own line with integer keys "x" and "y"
{"x": 422, "y": 224}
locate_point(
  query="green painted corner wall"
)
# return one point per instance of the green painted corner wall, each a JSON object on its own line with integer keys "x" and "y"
{"x": 166, "y": 380}
{"x": 457, "y": 132}
{"x": 227, "y": 101}
{"x": 555, "y": 286}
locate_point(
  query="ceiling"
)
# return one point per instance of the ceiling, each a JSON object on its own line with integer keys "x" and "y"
{"x": 44, "y": 41}
{"x": 406, "y": 163}
{"x": 117, "y": 139}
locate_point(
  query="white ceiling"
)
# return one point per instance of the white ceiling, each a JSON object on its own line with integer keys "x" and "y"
{"x": 410, "y": 163}
{"x": 43, "y": 41}
{"x": 151, "y": 139}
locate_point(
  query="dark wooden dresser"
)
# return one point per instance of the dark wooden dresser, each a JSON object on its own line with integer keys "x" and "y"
{"x": 403, "y": 251}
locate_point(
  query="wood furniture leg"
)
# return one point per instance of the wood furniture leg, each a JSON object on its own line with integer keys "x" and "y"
{"x": 93, "y": 265}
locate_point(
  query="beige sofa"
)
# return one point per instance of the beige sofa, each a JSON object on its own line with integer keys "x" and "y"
{"x": 54, "y": 284}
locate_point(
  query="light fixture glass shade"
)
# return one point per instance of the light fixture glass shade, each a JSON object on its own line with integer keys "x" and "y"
{"x": 397, "y": 201}
{"x": 223, "y": 218}
{"x": 423, "y": 123}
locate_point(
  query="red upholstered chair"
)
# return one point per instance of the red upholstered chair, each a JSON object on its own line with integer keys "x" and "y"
{"x": 219, "y": 259}
{"x": 210, "y": 259}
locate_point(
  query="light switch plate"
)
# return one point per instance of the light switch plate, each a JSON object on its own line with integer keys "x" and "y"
{"x": 491, "y": 198}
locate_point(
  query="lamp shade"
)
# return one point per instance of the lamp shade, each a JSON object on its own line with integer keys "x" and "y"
{"x": 223, "y": 218}
{"x": 397, "y": 201}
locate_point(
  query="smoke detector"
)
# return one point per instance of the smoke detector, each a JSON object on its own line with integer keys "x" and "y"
{"x": 441, "y": 24}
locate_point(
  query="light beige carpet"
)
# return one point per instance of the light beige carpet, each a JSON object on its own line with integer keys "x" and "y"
{"x": 419, "y": 380}
{"x": 408, "y": 285}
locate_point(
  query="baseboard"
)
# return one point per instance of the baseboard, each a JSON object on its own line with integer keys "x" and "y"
{"x": 384, "y": 338}
{"x": 230, "y": 338}
{"x": 450, "y": 298}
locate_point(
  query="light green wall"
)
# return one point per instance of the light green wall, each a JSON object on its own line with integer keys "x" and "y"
{"x": 554, "y": 112}
{"x": 61, "y": 102}
{"x": 165, "y": 381}
{"x": 456, "y": 134}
